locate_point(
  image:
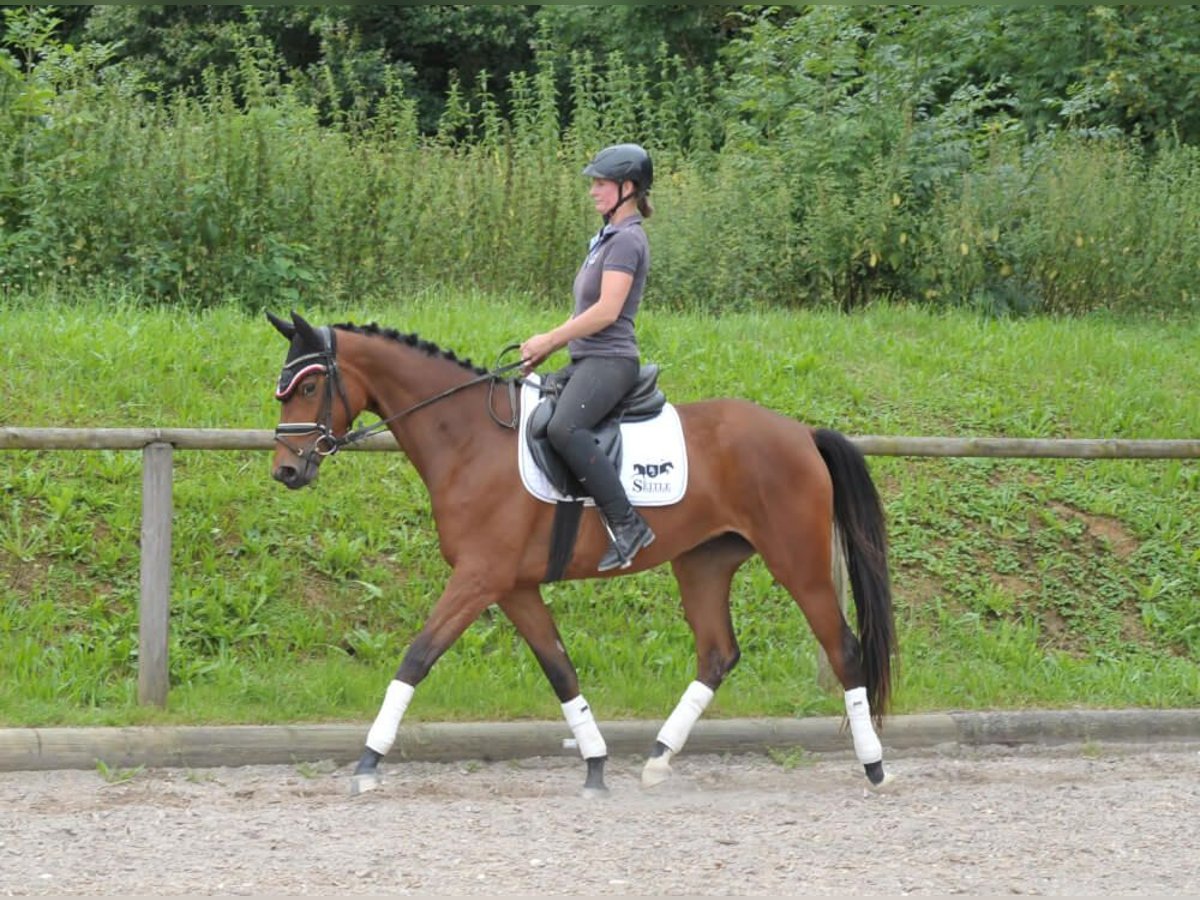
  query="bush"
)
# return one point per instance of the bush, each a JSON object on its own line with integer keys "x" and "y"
{"x": 830, "y": 177}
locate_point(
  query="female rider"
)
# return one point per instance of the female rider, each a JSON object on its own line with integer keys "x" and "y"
{"x": 599, "y": 337}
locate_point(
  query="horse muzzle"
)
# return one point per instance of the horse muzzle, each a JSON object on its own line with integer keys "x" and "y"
{"x": 295, "y": 477}
{"x": 295, "y": 466}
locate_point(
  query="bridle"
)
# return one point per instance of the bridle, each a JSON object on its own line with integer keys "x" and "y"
{"x": 325, "y": 361}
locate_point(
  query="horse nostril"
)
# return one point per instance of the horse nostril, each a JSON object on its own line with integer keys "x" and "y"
{"x": 285, "y": 474}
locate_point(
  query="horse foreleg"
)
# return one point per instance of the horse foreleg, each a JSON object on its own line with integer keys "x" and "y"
{"x": 459, "y": 606}
{"x": 381, "y": 736}
{"x": 704, "y": 575}
{"x": 533, "y": 621}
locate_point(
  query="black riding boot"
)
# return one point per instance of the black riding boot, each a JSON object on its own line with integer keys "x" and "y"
{"x": 629, "y": 534}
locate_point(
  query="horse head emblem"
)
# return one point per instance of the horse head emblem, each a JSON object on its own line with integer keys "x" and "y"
{"x": 653, "y": 470}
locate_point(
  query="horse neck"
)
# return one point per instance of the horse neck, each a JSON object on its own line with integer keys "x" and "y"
{"x": 438, "y": 437}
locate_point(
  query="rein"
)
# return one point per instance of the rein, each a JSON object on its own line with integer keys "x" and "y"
{"x": 329, "y": 443}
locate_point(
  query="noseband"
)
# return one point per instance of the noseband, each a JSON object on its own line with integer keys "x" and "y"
{"x": 325, "y": 360}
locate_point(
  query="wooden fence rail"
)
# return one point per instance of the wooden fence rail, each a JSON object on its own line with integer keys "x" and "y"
{"x": 872, "y": 445}
{"x": 158, "y": 445}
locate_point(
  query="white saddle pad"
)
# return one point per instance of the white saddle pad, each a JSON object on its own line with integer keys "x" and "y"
{"x": 653, "y": 457}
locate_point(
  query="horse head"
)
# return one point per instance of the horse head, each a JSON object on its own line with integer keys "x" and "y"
{"x": 312, "y": 422}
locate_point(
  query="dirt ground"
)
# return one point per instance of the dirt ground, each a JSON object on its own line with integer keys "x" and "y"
{"x": 1112, "y": 819}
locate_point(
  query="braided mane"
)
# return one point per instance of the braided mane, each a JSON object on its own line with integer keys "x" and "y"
{"x": 412, "y": 340}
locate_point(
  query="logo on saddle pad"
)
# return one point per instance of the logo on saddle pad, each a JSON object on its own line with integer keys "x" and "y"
{"x": 646, "y": 478}
{"x": 651, "y": 454}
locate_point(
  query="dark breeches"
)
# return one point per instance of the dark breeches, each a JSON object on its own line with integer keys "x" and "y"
{"x": 596, "y": 386}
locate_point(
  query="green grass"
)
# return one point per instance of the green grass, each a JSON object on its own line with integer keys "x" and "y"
{"x": 1018, "y": 583}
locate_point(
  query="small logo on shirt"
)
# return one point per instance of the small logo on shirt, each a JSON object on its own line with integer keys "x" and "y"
{"x": 597, "y": 242}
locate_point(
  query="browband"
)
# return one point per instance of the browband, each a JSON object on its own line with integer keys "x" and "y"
{"x": 284, "y": 390}
{"x": 320, "y": 363}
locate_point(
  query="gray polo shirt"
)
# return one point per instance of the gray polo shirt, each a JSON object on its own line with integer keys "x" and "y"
{"x": 624, "y": 248}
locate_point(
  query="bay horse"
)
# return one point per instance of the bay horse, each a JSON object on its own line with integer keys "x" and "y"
{"x": 758, "y": 482}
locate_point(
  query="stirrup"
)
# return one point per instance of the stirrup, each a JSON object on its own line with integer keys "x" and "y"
{"x": 614, "y": 557}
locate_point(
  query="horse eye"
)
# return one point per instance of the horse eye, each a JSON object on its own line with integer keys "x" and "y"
{"x": 308, "y": 389}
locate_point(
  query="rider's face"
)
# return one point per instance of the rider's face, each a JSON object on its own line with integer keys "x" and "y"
{"x": 604, "y": 193}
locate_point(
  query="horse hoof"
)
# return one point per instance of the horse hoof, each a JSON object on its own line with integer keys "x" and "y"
{"x": 594, "y": 793}
{"x": 878, "y": 779}
{"x": 888, "y": 782}
{"x": 655, "y": 772}
{"x": 360, "y": 784}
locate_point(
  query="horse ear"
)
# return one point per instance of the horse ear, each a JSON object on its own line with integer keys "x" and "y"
{"x": 306, "y": 331}
{"x": 287, "y": 329}
{"x": 307, "y": 334}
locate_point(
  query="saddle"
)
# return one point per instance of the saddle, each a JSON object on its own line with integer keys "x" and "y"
{"x": 643, "y": 401}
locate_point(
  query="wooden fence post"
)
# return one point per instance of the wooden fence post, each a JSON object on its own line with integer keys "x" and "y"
{"x": 155, "y": 604}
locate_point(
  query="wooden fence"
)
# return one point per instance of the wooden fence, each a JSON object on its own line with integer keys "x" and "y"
{"x": 158, "y": 445}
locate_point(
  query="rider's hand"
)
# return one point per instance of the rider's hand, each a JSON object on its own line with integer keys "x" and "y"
{"x": 535, "y": 350}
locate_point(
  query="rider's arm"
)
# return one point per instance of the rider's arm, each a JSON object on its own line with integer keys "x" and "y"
{"x": 615, "y": 285}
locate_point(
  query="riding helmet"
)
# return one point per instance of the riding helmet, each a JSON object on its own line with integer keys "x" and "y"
{"x": 623, "y": 162}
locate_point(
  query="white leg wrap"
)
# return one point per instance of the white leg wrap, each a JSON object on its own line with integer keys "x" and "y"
{"x": 866, "y": 743}
{"x": 583, "y": 725}
{"x": 383, "y": 731}
{"x": 678, "y": 726}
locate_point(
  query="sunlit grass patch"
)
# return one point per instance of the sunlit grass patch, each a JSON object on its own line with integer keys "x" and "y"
{"x": 1016, "y": 582}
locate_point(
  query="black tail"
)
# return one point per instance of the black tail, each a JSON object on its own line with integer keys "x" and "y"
{"x": 859, "y": 517}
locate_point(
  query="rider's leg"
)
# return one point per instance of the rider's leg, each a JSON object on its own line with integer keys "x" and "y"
{"x": 597, "y": 384}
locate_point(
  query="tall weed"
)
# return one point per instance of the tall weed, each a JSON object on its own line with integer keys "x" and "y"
{"x": 824, "y": 177}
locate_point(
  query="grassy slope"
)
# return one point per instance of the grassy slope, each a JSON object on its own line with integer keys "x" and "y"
{"x": 1041, "y": 582}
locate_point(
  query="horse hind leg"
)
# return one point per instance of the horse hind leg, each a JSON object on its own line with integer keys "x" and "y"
{"x": 704, "y": 575}
{"x": 807, "y": 573}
